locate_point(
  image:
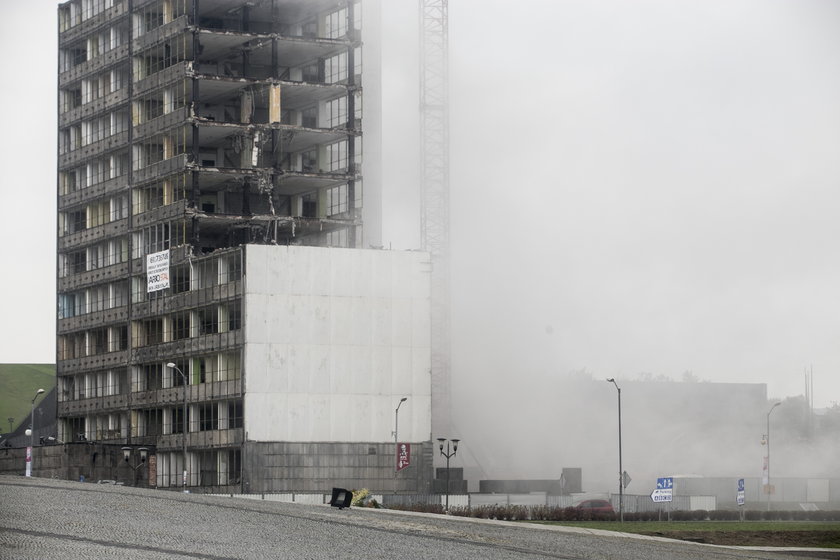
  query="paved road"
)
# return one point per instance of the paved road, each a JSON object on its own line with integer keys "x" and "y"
{"x": 60, "y": 520}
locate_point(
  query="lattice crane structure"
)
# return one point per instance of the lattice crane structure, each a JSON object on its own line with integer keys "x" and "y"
{"x": 434, "y": 109}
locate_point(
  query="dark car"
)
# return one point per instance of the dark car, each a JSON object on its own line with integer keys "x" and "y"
{"x": 594, "y": 506}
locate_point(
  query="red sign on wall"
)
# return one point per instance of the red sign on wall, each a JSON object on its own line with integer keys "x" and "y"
{"x": 403, "y": 455}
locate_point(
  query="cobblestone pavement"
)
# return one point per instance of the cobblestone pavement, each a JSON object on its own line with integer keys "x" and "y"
{"x": 47, "y": 519}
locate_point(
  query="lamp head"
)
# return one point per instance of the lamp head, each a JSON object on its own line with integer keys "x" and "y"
{"x": 171, "y": 365}
{"x": 39, "y": 391}
{"x": 144, "y": 453}
{"x": 403, "y": 399}
{"x": 611, "y": 379}
{"x": 455, "y": 444}
{"x": 126, "y": 453}
{"x": 28, "y": 432}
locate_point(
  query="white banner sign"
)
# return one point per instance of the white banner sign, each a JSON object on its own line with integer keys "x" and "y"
{"x": 157, "y": 271}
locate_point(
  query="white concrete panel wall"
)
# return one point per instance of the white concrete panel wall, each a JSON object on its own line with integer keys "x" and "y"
{"x": 333, "y": 339}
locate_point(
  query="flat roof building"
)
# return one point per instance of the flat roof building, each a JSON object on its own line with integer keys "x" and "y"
{"x": 212, "y": 214}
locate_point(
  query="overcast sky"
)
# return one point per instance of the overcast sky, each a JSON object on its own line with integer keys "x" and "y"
{"x": 637, "y": 187}
{"x": 645, "y": 187}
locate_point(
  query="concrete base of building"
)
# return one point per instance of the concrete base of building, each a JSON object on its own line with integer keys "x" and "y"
{"x": 320, "y": 466}
{"x": 86, "y": 462}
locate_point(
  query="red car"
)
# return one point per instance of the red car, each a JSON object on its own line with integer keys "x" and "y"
{"x": 594, "y": 506}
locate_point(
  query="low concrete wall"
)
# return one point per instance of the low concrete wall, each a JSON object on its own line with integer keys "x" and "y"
{"x": 270, "y": 467}
{"x": 72, "y": 461}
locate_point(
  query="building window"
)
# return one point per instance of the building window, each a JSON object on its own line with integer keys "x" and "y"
{"x": 91, "y": 8}
{"x": 156, "y": 238}
{"x": 234, "y": 414}
{"x": 160, "y": 102}
{"x": 337, "y": 112}
{"x": 230, "y": 268}
{"x": 155, "y": 14}
{"x": 335, "y": 68}
{"x": 229, "y": 366}
{"x": 148, "y": 332}
{"x": 181, "y": 325}
{"x": 208, "y": 417}
{"x": 178, "y": 419}
{"x": 97, "y": 342}
{"x": 147, "y": 377}
{"x": 233, "y": 311}
{"x": 159, "y": 58}
{"x": 336, "y": 23}
{"x": 208, "y": 320}
{"x": 150, "y": 422}
{"x": 68, "y": 181}
{"x": 118, "y": 338}
{"x": 337, "y": 200}
{"x": 337, "y": 154}
{"x": 179, "y": 278}
{"x": 71, "y": 305}
{"x": 70, "y": 99}
{"x": 68, "y": 58}
{"x": 160, "y": 193}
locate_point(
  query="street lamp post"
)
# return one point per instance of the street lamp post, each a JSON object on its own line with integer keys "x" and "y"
{"x": 448, "y": 456}
{"x": 144, "y": 453}
{"x": 397, "y": 441}
{"x": 620, "y": 466}
{"x": 184, "y": 433}
{"x": 31, "y": 434}
{"x": 772, "y": 408}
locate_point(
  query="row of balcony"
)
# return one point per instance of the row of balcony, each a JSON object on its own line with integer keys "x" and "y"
{"x": 240, "y": 55}
{"x": 171, "y": 396}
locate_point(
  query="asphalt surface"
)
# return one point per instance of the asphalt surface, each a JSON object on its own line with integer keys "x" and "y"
{"x": 47, "y": 519}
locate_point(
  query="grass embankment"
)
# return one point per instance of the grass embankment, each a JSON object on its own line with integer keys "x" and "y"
{"x": 746, "y": 533}
{"x": 18, "y": 383}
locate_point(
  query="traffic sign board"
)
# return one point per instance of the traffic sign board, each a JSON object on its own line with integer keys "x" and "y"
{"x": 740, "y": 485}
{"x": 662, "y": 495}
{"x": 665, "y": 483}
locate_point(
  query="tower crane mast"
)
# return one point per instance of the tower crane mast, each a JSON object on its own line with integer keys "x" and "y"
{"x": 434, "y": 222}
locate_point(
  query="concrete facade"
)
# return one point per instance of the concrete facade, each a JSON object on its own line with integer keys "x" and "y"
{"x": 334, "y": 339}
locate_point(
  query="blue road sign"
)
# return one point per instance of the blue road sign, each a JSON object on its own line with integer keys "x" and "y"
{"x": 665, "y": 483}
{"x": 740, "y": 485}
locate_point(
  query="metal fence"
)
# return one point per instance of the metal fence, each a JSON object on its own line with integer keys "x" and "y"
{"x": 632, "y": 503}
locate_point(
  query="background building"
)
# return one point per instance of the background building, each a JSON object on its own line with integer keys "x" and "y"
{"x": 190, "y": 133}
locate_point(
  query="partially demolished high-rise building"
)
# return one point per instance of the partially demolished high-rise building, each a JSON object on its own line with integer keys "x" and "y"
{"x": 217, "y": 295}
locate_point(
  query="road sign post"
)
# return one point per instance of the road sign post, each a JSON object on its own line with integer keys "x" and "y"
{"x": 664, "y": 492}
